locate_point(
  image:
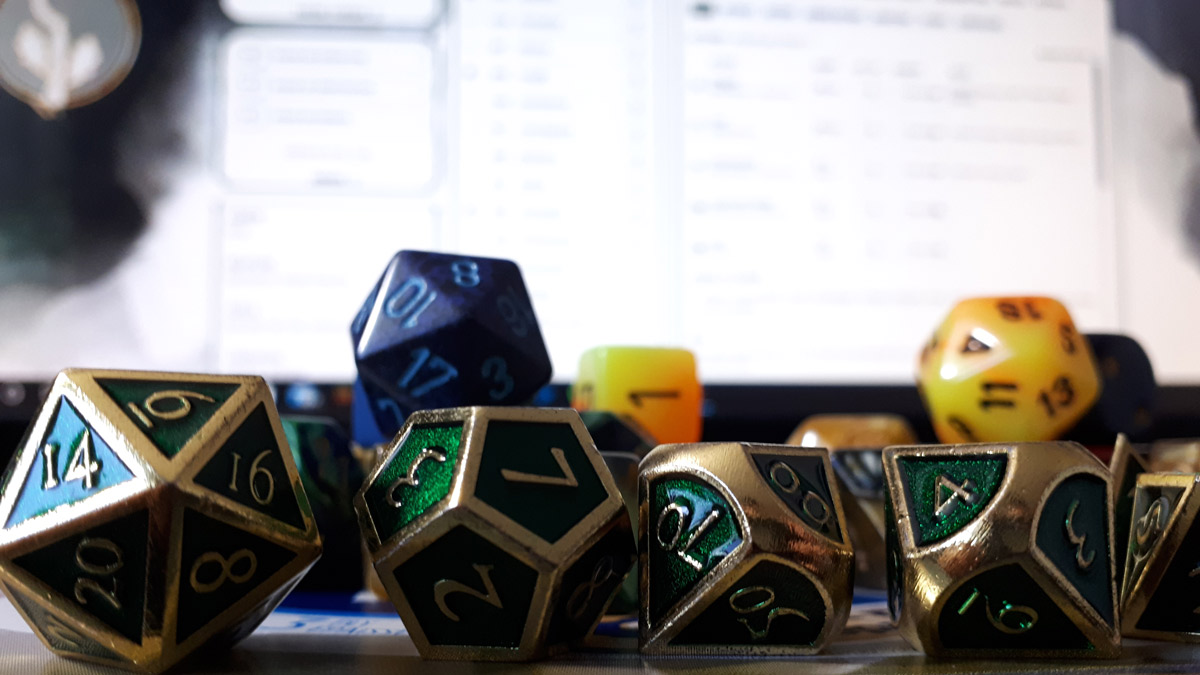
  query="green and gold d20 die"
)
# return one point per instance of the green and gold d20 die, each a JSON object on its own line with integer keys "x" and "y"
{"x": 1160, "y": 598}
{"x": 497, "y": 532}
{"x": 1001, "y": 550}
{"x": 743, "y": 550}
{"x": 147, "y": 514}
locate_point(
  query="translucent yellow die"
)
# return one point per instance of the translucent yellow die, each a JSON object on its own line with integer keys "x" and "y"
{"x": 1007, "y": 369}
{"x": 657, "y": 386}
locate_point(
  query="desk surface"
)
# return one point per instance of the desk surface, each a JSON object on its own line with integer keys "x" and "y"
{"x": 306, "y": 641}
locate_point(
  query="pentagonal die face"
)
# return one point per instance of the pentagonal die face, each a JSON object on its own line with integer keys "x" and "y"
{"x": 519, "y": 500}
{"x": 1019, "y": 543}
{"x": 445, "y": 330}
{"x": 716, "y": 577}
{"x": 147, "y": 513}
{"x": 1007, "y": 369}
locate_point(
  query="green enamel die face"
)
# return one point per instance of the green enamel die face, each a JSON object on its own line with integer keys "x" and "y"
{"x": 169, "y": 413}
{"x": 219, "y": 565}
{"x": 1005, "y": 609}
{"x": 58, "y": 632}
{"x": 249, "y": 469}
{"x": 1073, "y": 533}
{"x": 1126, "y": 484}
{"x": 1153, "y": 506}
{"x": 1175, "y": 605}
{"x": 418, "y": 476}
{"x": 772, "y": 604}
{"x": 101, "y": 571}
{"x": 589, "y": 583}
{"x": 692, "y": 528}
{"x": 538, "y": 474}
{"x": 467, "y": 591}
{"x": 945, "y": 493}
{"x": 803, "y": 484}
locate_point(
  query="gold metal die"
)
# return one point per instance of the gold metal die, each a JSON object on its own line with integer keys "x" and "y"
{"x": 1130, "y": 460}
{"x": 1159, "y": 598}
{"x": 855, "y": 444}
{"x": 1001, "y": 550}
{"x": 498, "y": 532}
{"x": 743, "y": 550}
{"x": 147, "y": 514}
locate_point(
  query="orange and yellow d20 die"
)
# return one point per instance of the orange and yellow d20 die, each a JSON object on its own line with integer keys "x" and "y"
{"x": 1007, "y": 369}
{"x": 656, "y": 386}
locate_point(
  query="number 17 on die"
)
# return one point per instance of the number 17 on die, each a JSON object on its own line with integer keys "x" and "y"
{"x": 441, "y": 330}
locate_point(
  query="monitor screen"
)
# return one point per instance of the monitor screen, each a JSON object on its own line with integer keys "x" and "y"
{"x": 797, "y": 191}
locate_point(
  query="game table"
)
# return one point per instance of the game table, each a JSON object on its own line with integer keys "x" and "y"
{"x": 313, "y": 634}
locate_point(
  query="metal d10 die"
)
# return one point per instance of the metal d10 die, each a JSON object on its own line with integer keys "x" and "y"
{"x": 1001, "y": 550}
{"x": 498, "y": 532}
{"x": 1160, "y": 597}
{"x": 148, "y": 514}
{"x": 743, "y": 550}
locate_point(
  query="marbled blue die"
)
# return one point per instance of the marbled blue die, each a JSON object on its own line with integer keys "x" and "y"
{"x": 440, "y": 331}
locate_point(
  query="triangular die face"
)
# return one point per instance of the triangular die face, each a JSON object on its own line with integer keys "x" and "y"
{"x": 945, "y": 493}
{"x": 1072, "y": 532}
{"x": 802, "y": 483}
{"x": 771, "y": 605}
{"x": 101, "y": 570}
{"x": 169, "y": 413}
{"x": 59, "y": 633}
{"x": 219, "y": 565}
{"x": 71, "y": 463}
{"x": 249, "y": 468}
{"x": 692, "y": 528}
{"x": 1174, "y": 605}
{"x": 1126, "y": 484}
{"x": 1004, "y": 609}
{"x": 1153, "y": 506}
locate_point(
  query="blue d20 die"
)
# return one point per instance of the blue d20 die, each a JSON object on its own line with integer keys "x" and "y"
{"x": 442, "y": 330}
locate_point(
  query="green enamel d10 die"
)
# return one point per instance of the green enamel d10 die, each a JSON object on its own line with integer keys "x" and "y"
{"x": 1001, "y": 550}
{"x": 498, "y": 533}
{"x": 743, "y": 550}
{"x": 149, "y": 514}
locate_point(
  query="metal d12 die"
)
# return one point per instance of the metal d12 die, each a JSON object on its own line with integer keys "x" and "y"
{"x": 498, "y": 532}
{"x": 1160, "y": 597}
{"x": 148, "y": 514}
{"x": 743, "y": 550}
{"x": 1001, "y": 550}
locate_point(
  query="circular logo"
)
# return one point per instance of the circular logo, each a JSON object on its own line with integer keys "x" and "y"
{"x": 60, "y": 54}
